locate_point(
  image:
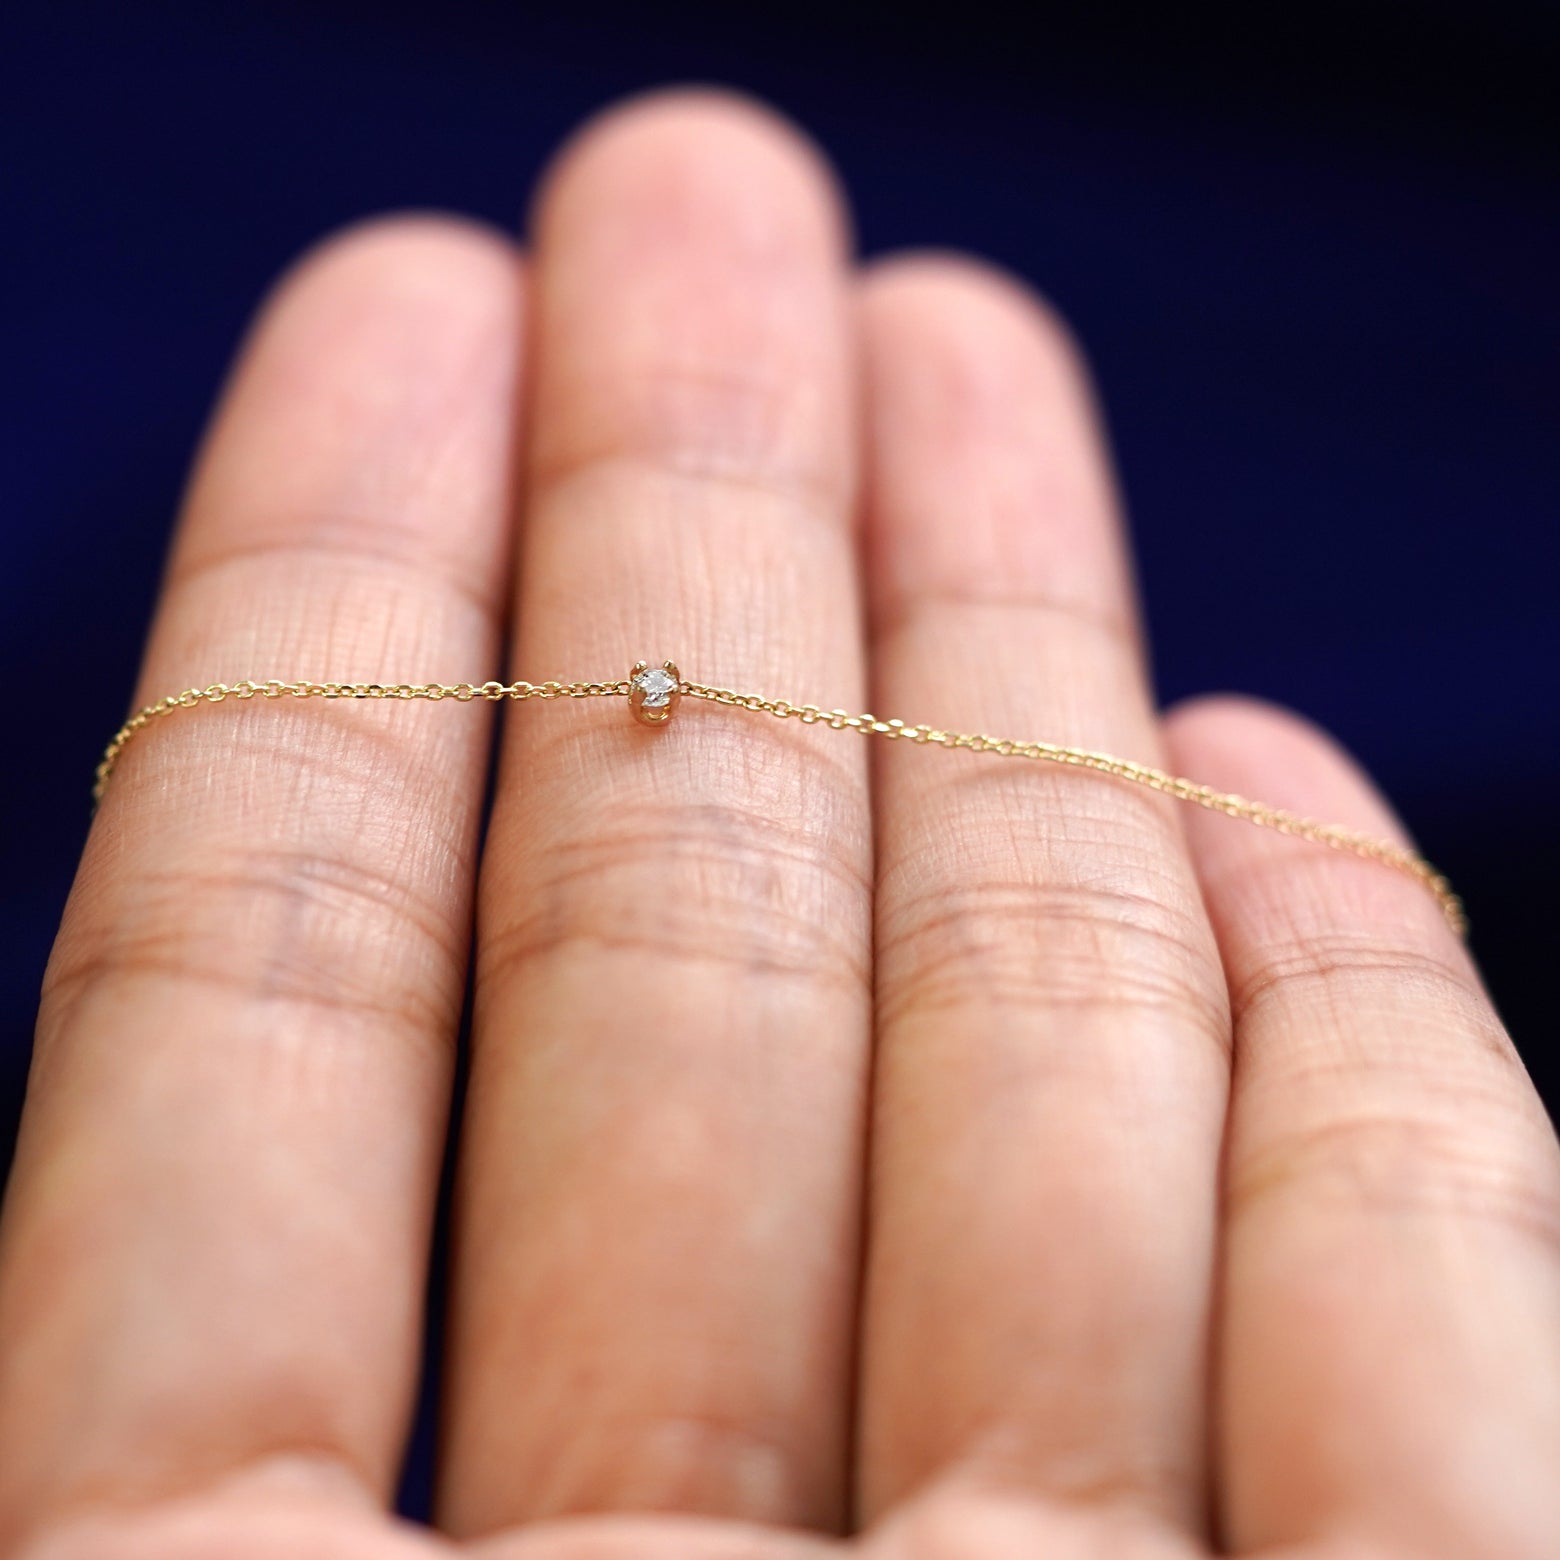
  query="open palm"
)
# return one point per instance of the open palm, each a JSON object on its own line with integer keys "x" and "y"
{"x": 886, "y": 1147}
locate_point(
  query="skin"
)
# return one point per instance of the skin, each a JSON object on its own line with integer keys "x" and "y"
{"x": 884, "y": 1148}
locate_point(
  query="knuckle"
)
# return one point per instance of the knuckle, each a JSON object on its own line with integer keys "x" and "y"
{"x": 1098, "y": 950}
{"x": 1406, "y": 1164}
{"x": 374, "y": 547}
{"x": 1311, "y": 968}
{"x": 319, "y": 928}
{"x": 1406, "y": 1098}
{"x": 734, "y": 429}
{"x": 949, "y": 607}
{"x": 765, "y": 866}
{"x": 1132, "y": 941}
{"x": 711, "y": 883}
{"x": 1364, "y": 975}
{"x": 311, "y": 767}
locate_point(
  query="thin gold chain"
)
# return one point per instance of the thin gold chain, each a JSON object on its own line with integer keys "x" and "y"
{"x": 1332, "y": 835}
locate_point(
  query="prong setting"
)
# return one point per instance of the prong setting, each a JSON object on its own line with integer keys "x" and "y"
{"x": 654, "y": 692}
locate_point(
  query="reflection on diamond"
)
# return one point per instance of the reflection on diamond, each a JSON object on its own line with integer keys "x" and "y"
{"x": 656, "y": 685}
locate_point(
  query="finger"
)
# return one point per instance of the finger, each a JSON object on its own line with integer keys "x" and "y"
{"x": 1051, "y": 1021}
{"x": 1391, "y": 1338}
{"x": 213, "y": 1247}
{"x": 660, "y": 1171}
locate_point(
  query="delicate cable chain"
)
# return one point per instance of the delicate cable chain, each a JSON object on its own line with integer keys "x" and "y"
{"x": 463, "y": 693}
{"x": 1332, "y": 835}
{"x": 1329, "y": 834}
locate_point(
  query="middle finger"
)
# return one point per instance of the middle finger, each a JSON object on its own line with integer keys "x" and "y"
{"x": 657, "y": 1234}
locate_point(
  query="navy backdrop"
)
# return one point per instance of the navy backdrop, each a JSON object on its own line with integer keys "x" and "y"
{"x": 1308, "y": 248}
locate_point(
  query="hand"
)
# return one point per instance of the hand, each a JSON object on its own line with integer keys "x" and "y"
{"x": 1208, "y": 1204}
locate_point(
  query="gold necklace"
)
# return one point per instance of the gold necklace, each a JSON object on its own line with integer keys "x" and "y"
{"x": 654, "y": 693}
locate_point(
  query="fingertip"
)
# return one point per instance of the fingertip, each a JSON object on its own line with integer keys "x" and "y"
{"x": 669, "y": 142}
{"x": 949, "y": 327}
{"x": 1259, "y": 748}
{"x": 974, "y": 297}
{"x": 399, "y": 253}
{"x": 988, "y": 475}
{"x": 384, "y": 360}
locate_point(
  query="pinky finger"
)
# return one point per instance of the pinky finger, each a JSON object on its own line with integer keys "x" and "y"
{"x": 1390, "y": 1359}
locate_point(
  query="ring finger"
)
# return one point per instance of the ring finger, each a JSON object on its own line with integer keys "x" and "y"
{"x": 1052, "y": 1025}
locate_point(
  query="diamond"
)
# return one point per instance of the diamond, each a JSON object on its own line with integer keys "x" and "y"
{"x": 657, "y": 686}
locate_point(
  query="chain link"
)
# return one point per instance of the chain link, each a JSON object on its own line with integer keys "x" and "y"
{"x": 1331, "y": 835}
{"x": 274, "y": 688}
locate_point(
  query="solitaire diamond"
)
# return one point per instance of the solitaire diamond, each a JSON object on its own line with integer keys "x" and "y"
{"x": 656, "y": 685}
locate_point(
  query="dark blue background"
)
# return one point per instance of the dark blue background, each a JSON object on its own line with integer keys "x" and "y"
{"x": 1309, "y": 250}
